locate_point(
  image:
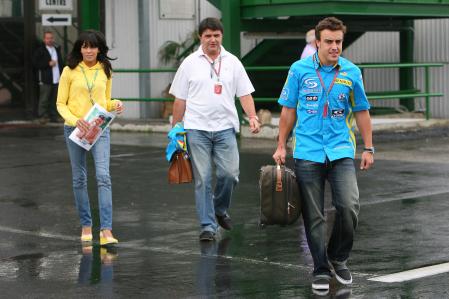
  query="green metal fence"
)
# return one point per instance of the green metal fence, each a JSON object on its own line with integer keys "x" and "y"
{"x": 384, "y": 95}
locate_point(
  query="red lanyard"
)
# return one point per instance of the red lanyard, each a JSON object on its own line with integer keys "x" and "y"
{"x": 326, "y": 105}
{"x": 213, "y": 68}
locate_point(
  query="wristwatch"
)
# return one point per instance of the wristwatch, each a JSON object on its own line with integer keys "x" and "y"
{"x": 369, "y": 149}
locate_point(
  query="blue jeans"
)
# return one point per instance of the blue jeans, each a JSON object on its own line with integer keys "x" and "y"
{"x": 101, "y": 154}
{"x": 341, "y": 176}
{"x": 205, "y": 149}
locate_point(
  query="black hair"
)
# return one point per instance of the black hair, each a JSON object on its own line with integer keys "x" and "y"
{"x": 210, "y": 23}
{"x": 94, "y": 39}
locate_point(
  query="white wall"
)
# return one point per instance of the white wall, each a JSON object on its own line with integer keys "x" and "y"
{"x": 6, "y": 8}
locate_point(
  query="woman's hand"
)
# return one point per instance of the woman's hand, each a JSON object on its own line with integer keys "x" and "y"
{"x": 82, "y": 125}
{"x": 119, "y": 107}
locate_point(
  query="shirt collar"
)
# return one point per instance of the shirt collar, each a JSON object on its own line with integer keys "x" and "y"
{"x": 223, "y": 52}
{"x": 317, "y": 59}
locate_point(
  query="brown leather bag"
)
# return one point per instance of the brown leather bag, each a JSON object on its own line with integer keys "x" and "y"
{"x": 180, "y": 169}
{"x": 280, "y": 199}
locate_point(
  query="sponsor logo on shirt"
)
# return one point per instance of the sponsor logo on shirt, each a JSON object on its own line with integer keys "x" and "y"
{"x": 312, "y": 90}
{"x": 313, "y": 105}
{"x": 344, "y": 73}
{"x": 312, "y": 98}
{"x": 311, "y": 83}
{"x": 342, "y": 97}
{"x": 343, "y": 81}
{"x": 312, "y": 111}
{"x": 284, "y": 93}
{"x": 338, "y": 113}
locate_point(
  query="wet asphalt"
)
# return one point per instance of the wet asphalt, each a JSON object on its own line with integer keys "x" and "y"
{"x": 403, "y": 225}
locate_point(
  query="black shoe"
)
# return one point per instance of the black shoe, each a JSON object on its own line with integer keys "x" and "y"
{"x": 207, "y": 236}
{"x": 224, "y": 221}
{"x": 321, "y": 283}
{"x": 342, "y": 273}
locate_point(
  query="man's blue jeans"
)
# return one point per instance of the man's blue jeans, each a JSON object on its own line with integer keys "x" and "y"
{"x": 341, "y": 176}
{"x": 101, "y": 154}
{"x": 207, "y": 149}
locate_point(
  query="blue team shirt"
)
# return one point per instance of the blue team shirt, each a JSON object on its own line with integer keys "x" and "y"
{"x": 316, "y": 135}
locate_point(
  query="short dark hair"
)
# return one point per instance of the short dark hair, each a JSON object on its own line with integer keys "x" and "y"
{"x": 48, "y": 32}
{"x": 210, "y": 23}
{"x": 330, "y": 23}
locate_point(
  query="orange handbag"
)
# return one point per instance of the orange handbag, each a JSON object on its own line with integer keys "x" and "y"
{"x": 180, "y": 169}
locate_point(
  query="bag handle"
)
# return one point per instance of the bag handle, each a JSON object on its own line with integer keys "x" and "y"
{"x": 278, "y": 179}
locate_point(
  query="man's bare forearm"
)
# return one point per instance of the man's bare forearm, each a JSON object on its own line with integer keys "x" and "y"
{"x": 179, "y": 108}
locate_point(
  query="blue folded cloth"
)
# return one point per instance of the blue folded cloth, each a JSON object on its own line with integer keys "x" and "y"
{"x": 177, "y": 141}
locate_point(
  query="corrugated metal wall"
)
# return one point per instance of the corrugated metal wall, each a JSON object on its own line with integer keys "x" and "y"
{"x": 377, "y": 47}
{"x": 122, "y": 36}
{"x": 431, "y": 45}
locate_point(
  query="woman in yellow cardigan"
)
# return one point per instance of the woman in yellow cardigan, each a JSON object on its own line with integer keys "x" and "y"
{"x": 86, "y": 81}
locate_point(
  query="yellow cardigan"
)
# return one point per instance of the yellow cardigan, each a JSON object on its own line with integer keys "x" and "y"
{"x": 73, "y": 100}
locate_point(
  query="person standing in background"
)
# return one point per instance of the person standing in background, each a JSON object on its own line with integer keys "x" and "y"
{"x": 48, "y": 61}
{"x": 310, "y": 47}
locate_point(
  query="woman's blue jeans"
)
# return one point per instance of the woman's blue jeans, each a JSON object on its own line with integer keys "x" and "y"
{"x": 341, "y": 176}
{"x": 101, "y": 154}
{"x": 205, "y": 149}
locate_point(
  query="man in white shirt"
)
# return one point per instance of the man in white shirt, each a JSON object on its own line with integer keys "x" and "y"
{"x": 48, "y": 61}
{"x": 205, "y": 87}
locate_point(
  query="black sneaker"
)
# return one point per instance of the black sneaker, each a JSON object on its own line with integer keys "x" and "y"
{"x": 342, "y": 273}
{"x": 207, "y": 236}
{"x": 224, "y": 221}
{"x": 321, "y": 283}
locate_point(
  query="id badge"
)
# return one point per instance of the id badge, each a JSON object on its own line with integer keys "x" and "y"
{"x": 218, "y": 87}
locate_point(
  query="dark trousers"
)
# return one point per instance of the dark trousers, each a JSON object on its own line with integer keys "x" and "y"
{"x": 311, "y": 178}
{"x": 47, "y": 101}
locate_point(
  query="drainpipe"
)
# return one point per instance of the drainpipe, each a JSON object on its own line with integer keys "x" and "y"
{"x": 144, "y": 59}
{"x": 29, "y": 93}
{"x": 406, "y": 81}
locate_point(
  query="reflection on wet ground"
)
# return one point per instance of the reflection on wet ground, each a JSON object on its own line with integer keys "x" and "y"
{"x": 403, "y": 226}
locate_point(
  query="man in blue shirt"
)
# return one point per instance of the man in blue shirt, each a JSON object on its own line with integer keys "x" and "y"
{"x": 321, "y": 97}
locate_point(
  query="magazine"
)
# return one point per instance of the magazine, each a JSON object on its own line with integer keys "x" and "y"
{"x": 99, "y": 119}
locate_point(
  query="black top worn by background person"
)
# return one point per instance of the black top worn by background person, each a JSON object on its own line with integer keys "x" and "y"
{"x": 41, "y": 59}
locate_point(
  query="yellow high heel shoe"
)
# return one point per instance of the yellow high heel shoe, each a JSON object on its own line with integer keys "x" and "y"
{"x": 86, "y": 237}
{"x": 107, "y": 240}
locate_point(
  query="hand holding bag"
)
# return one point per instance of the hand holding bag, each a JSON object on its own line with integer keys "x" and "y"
{"x": 180, "y": 169}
